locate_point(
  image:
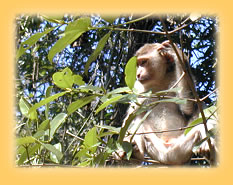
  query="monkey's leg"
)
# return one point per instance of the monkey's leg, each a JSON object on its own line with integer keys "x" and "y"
{"x": 181, "y": 150}
{"x": 177, "y": 152}
{"x": 155, "y": 148}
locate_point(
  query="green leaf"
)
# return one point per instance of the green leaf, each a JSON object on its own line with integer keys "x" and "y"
{"x": 31, "y": 150}
{"x": 125, "y": 127}
{"x": 128, "y": 98}
{"x": 78, "y": 80}
{"x": 138, "y": 124}
{"x": 130, "y": 72}
{"x": 53, "y": 157}
{"x": 97, "y": 51}
{"x": 63, "y": 79}
{"x": 110, "y": 128}
{"x": 193, "y": 123}
{"x": 99, "y": 159}
{"x": 90, "y": 88}
{"x": 120, "y": 90}
{"x": 48, "y": 91}
{"x": 53, "y": 149}
{"x": 47, "y": 94}
{"x": 25, "y": 140}
{"x": 108, "y": 102}
{"x": 210, "y": 111}
{"x": 56, "y": 20}
{"x": 176, "y": 100}
{"x": 45, "y": 101}
{"x": 85, "y": 163}
{"x": 108, "y": 133}
{"x": 127, "y": 147}
{"x": 24, "y": 107}
{"x": 198, "y": 144}
{"x": 82, "y": 154}
{"x": 73, "y": 31}
{"x": 56, "y": 123}
{"x": 39, "y": 134}
{"x": 79, "y": 103}
{"x": 32, "y": 40}
{"x": 91, "y": 140}
{"x": 111, "y": 18}
{"x": 44, "y": 125}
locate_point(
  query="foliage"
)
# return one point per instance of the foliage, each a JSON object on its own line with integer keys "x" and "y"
{"x": 75, "y": 77}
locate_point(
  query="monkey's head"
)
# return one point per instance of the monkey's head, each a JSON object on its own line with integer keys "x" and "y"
{"x": 155, "y": 63}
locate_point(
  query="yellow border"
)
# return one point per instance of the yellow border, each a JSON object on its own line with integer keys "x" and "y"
{"x": 11, "y": 175}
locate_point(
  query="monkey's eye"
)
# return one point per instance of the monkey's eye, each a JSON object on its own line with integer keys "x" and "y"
{"x": 142, "y": 62}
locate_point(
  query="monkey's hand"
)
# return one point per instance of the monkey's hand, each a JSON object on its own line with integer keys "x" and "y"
{"x": 135, "y": 148}
{"x": 203, "y": 148}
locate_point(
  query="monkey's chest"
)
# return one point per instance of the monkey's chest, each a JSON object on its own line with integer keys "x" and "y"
{"x": 166, "y": 120}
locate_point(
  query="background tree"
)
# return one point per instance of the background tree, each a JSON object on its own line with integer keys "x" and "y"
{"x": 67, "y": 67}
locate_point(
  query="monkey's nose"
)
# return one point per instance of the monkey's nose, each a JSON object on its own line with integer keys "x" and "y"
{"x": 138, "y": 76}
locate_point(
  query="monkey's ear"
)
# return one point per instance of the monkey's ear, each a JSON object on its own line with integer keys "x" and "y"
{"x": 166, "y": 44}
{"x": 168, "y": 56}
{"x": 164, "y": 51}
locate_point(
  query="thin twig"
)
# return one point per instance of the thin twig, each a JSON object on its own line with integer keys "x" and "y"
{"x": 183, "y": 74}
{"x": 165, "y": 97}
{"x": 170, "y": 130}
{"x": 136, "y": 20}
{"x": 137, "y": 30}
{"x": 79, "y": 138}
{"x": 208, "y": 95}
{"x": 170, "y": 97}
{"x": 143, "y": 31}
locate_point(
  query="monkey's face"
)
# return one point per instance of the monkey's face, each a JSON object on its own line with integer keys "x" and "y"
{"x": 151, "y": 68}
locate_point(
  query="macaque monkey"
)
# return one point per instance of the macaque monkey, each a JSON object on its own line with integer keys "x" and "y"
{"x": 158, "y": 69}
